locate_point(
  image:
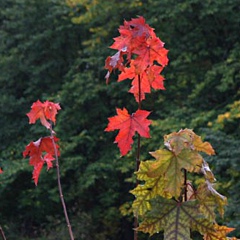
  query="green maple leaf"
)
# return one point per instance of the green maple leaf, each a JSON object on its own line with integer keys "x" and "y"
{"x": 174, "y": 218}
{"x": 169, "y": 165}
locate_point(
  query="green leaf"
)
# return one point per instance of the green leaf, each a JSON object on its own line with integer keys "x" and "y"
{"x": 172, "y": 217}
{"x": 169, "y": 165}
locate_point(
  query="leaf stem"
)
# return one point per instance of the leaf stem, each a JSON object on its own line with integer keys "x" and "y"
{"x": 185, "y": 184}
{"x": 2, "y": 233}
{"x": 60, "y": 186}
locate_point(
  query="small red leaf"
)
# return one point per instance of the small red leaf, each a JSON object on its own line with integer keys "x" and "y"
{"x": 43, "y": 111}
{"x": 128, "y": 125}
{"x": 150, "y": 77}
{"x": 40, "y": 152}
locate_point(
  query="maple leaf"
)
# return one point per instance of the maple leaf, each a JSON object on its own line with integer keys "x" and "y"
{"x": 186, "y": 138}
{"x": 152, "y": 188}
{"x": 43, "y": 111}
{"x": 40, "y": 152}
{"x": 171, "y": 217}
{"x": 170, "y": 165}
{"x": 1, "y": 171}
{"x": 128, "y": 125}
{"x": 132, "y": 34}
{"x": 149, "y": 78}
{"x": 149, "y": 51}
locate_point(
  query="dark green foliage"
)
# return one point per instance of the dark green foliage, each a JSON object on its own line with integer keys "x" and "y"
{"x": 43, "y": 55}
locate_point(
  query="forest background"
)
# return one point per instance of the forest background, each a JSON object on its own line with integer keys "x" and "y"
{"x": 55, "y": 50}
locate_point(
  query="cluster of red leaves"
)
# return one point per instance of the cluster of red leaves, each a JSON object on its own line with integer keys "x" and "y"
{"x": 138, "y": 38}
{"x": 141, "y": 57}
{"x": 45, "y": 149}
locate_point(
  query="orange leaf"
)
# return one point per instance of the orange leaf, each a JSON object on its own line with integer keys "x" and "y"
{"x": 128, "y": 125}
{"x": 43, "y": 111}
{"x": 219, "y": 233}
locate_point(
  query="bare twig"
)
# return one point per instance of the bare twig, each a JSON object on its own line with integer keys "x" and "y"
{"x": 2, "y": 233}
{"x": 60, "y": 187}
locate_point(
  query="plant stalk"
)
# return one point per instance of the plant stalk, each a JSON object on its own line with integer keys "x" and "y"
{"x": 185, "y": 184}
{"x": 138, "y": 152}
{"x": 2, "y": 233}
{"x": 60, "y": 187}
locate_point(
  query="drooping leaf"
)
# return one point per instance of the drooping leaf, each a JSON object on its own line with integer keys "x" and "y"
{"x": 127, "y": 125}
{"x": 210, "y": 199}
{"x": 114, "y": 62}
{"x": 40, "y": 152}
{"x": 43, "y": 111}
{"x": 206, "y": 171}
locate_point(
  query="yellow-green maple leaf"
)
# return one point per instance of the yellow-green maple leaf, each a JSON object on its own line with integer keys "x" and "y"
{"x": 169, "y": 165}
{"x": 152, "y": 188}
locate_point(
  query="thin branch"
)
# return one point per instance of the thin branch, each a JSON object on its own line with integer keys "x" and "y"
{"x": 2, "y": 233}
{"x": 138, "y": 152}
{"x": 60, "y": 187}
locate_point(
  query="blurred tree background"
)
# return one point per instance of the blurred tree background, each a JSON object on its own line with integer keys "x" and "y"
{"x": 55, "y": 50}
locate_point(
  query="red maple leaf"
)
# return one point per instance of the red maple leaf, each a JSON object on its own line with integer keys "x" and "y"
{"x": 1, "y": 171}
{"x": 128, "y": 125}
{"x": 132, "y": 33}
{"x": 40, "y": 152}
{"x": 149, "y": 78}
{"x": 43, "y": 111}
{"x": 149, "y": 51}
